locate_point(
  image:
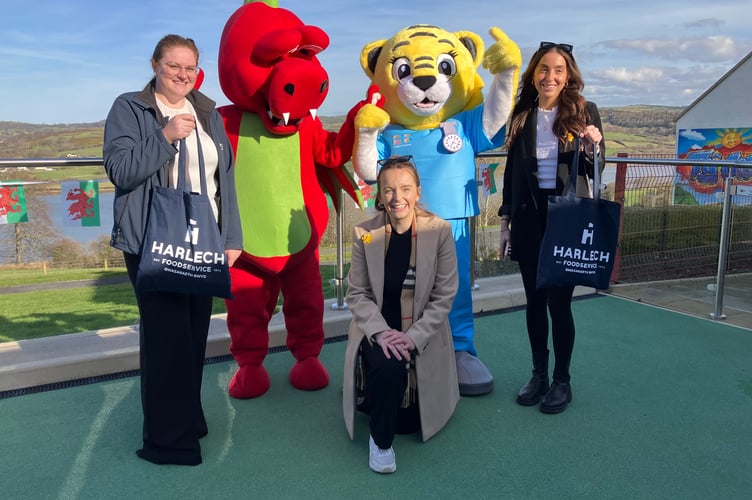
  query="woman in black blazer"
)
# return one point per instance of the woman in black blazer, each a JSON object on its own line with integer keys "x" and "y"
{"x": 549, "y": 112}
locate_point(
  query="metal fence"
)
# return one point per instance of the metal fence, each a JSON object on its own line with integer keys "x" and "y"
{"x": 680, "y": 218}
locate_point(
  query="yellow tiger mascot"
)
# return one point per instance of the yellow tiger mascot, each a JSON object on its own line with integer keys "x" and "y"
{"x": 435, "y": 112}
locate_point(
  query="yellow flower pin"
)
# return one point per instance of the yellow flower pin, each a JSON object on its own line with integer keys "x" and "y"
{"x": 366, "y": 238}
{"x": 570, "y": 137}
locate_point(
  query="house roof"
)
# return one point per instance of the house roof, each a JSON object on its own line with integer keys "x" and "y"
{"x": 715, "y": 85}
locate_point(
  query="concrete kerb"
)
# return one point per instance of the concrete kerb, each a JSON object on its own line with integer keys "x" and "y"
{"x": 31, "y": 363}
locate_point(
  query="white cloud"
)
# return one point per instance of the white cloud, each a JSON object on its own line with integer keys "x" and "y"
{"x": 693, "y": 135}
{"x": 708, "y": 48}
{"x": 661, "y": 84}
{"x": 632, "y": 76}
{"x": 710, "y": 22}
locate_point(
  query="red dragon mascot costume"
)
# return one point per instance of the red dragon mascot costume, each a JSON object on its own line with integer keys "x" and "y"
{"x": 268, "y": 69}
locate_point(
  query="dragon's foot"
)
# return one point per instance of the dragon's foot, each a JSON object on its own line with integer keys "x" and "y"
{"x": 249, "y": 381}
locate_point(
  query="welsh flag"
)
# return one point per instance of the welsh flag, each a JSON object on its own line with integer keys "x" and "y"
{"x": 487, "y": 175}
{"x": 12, "y": 203}
{"x": 82, "y": 200}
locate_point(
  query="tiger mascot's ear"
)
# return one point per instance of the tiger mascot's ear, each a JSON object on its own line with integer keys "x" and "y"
{"x": 369, "y": 56}
{"x": 473, "y": 43}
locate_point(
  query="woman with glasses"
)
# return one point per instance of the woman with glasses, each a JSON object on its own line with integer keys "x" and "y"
{"x": 399, "y": 364}
{"x": 141, "y": 137}
{"x": 550, "y": 111}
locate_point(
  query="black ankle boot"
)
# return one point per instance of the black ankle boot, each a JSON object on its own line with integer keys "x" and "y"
{"x": 537, "y": 387}
{"x": 557, "y": 398}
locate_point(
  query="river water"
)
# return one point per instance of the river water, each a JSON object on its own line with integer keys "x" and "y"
{"x": 81, "y": 234}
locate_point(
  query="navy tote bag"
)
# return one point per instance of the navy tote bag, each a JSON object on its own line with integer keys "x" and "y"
{"x": 579, "y": 244}
{"x": 183, "y": 250}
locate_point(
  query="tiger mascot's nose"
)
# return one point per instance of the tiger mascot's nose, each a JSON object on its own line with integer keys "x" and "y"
{"x": 424, "y": 82}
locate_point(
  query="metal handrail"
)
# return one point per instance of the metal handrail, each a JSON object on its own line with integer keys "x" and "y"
{"x": 93, "y": 161}
{"x": 99, "y": 161}
{"x": 648, "y": 161}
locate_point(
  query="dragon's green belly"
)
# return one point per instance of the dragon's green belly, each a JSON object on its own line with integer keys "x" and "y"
{"x": 270, "y": 194}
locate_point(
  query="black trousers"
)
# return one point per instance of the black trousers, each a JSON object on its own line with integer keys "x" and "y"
{"x": 173, "y": 332}
{"x": 555, "y": 301}
{"x": 386, "y": 381}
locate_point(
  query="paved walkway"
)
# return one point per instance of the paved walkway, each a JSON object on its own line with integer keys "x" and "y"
{"x": 697, "y": 297}
{"x": 660, "y": 410}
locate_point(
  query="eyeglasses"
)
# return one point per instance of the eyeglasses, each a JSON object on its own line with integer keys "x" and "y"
{"x": 172, "y": 69}
{"x": 395, "y": 160}
{"x": 566, "y": 47}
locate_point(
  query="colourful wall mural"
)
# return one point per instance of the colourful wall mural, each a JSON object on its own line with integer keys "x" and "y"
{"x": 703, "y": 185}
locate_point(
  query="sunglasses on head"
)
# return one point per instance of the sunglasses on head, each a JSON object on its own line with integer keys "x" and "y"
{"x": 566, "y": 47}
{"x": 395, "y": 160}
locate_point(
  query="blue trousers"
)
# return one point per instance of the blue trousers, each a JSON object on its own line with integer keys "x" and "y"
{"x": 461, "y": 315}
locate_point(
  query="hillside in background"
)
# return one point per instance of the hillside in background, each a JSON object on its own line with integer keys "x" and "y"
{"x": 631, "y": 129}
{"x": 640, "y": 129}
{"x": 26, "y": 140}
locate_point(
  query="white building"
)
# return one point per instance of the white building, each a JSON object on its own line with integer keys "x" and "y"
{"x": 726, "y": 104}
{"x": 718, "y": 126}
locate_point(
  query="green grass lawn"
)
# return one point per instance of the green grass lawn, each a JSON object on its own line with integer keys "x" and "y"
{"x": 47, "y": 313}
{"x": 53, "y": 312}
{"x": 36, "y": 275}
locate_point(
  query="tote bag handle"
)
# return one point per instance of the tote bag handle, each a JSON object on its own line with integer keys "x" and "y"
{"x": 576, "y": 167}
{"x": 183, "y": 168}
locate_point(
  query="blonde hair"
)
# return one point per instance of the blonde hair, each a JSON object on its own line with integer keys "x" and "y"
{"x": 395, "y": 163}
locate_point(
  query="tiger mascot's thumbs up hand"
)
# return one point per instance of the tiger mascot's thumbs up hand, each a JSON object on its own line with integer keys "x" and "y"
{"x": 502, "y": 55}
{"x": 369, "y": 121}
{"x": 503, "y": 59}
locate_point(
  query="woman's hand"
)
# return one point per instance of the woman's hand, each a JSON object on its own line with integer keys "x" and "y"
{"x": 505, "y": 243}
{"x": 232, "y": 256}
{"x": 591, "y": 134}
{"x": 395, "y": 343}
{"x": 179, "y": 127}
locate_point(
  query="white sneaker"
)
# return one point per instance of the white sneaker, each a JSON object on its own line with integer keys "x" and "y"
{"x": 381, "y": 461}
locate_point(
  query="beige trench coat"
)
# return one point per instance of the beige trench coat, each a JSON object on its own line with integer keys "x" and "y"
{"x": 435, "y": 288}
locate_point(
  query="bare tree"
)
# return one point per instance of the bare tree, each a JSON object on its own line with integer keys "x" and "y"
{"x": 30, "y": 241}
{"x": 102, "y": 254}
{"x": 66, "y": 252}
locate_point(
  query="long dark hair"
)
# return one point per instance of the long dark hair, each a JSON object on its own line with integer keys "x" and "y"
{"x": 571, "y": 116}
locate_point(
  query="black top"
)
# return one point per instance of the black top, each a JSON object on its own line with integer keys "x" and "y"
{"x": 396, "y": 263}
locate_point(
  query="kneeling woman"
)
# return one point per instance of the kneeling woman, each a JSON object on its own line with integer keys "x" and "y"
{"x": 399, "y": 363}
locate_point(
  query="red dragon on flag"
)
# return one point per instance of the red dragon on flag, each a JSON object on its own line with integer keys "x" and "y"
{"x": 12, "y": 204}
{"x": 82, "y": 200}
{"x": 83, "y": 203}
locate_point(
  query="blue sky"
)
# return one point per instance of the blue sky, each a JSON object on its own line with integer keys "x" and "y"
{"x": 65, "y": 62}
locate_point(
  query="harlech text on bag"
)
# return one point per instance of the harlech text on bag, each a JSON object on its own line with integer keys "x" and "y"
{"x": 580, "y": 260}
{"x": 185, "y": 258}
